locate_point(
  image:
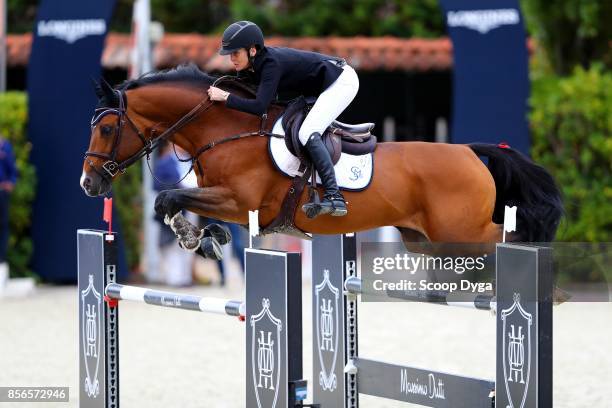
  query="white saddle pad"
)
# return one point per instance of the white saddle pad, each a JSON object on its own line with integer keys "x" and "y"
{"x": 353, "y": 173}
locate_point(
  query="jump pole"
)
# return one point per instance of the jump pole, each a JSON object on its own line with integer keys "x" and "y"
{"x": 176, "y": 300}
{"x": 272, "y": 319}
{"x": 523, "y": 306}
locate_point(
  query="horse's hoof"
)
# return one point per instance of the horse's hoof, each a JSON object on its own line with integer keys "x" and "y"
{"x": 218, "y": 232}
{"x": 210, "y": 249}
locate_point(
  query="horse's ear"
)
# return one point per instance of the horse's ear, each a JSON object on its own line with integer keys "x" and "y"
{"x": 108, "y": 93}
{"x": 97, "y": 88}
{"x": 106, "y": 87}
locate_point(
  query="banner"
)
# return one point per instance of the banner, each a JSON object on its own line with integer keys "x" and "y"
{"x": 66, "y": 51}
{"x": 490, "y": 75}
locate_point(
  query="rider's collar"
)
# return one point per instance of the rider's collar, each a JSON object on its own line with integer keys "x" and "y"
{"x": 259, "y": 58}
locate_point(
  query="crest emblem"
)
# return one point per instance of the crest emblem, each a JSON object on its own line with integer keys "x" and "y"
{"x": 91, "y": 324}
{"x": 327, "y": 297}
{"x": 266, "y": 355}
{"x": 517, "y": 327}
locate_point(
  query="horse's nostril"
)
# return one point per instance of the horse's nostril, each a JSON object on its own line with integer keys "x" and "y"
{"x": 87, "y": 182}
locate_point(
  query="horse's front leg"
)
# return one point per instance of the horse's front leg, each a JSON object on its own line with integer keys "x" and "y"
{"x": 207, "y": 241}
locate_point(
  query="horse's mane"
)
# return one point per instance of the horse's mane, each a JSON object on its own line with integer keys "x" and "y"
{"x": 188, "y": 74}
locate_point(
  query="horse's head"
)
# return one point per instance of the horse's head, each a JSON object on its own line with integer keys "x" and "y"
{"x": 115, "y": 142}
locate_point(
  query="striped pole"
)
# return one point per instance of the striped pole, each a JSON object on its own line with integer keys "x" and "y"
{"x": 468, "y": 300}
{"x": 176, "y": 300}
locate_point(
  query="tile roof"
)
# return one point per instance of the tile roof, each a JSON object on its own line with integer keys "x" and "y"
{"x": 18, "y": 49}
{"x": 364, "y": 53}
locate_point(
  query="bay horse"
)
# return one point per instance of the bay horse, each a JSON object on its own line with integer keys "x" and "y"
{"x": 432, "y": 192}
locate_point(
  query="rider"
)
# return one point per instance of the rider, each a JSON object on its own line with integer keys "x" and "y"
{"x": 276, "y": 69}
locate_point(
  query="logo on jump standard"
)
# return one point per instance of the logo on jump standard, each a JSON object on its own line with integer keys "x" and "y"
{"x": 327, "y": 319}
{"x": 266, "y": 355}
{"x": 517, "y": 327}
{"x": 91, "y": 323}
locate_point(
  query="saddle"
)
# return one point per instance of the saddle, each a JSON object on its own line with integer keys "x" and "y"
{"x": 338, "y": 138}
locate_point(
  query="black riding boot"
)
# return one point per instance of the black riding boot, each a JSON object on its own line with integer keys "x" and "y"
{"x": 333, "y": 201}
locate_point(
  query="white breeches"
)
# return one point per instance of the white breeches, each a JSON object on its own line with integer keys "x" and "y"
{"x": 330, "y": 104}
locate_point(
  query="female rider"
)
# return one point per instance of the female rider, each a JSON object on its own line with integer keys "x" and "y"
{"x": 276, "y": 69}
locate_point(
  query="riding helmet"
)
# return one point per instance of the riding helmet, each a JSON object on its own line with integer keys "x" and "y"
{"x": 241, "y": 34}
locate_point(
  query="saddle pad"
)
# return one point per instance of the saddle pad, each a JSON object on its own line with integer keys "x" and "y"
{"x": 353, "y": 173}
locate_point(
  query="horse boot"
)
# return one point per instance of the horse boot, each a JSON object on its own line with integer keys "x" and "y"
{"x": 333, "y": 201}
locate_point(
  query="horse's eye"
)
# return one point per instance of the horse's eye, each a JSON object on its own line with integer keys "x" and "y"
{"x": 106, "y": 130}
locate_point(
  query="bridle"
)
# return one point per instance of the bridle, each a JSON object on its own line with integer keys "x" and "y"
{"x": 111, "y": 167}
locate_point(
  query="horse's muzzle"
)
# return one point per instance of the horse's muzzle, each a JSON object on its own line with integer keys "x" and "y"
{"x": 93, "y": 185}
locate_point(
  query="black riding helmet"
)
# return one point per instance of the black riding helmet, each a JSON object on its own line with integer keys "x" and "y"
{"x": 241, "y": 34}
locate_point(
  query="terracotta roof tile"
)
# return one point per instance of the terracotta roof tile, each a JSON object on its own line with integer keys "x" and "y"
{"x": 116, "y": 53}
{"x": 18, "y": 49}
{"x": 364, "y": 53}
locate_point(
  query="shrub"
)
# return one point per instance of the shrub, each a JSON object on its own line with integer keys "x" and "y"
{"x": 13, "y": 121}
{"x": 571, "y": 124}
{"x": 127, "y": 194}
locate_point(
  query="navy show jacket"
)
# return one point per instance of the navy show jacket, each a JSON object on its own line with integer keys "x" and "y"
{"x": 277, "y": 70}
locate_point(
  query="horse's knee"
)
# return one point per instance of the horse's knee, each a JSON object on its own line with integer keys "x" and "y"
{"x": 165, "y": 204}
{"x": 160, "y": 203}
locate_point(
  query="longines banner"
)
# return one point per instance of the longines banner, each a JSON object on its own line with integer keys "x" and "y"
{"x": 490, "y": 74}
{"x": 66, "y": 51}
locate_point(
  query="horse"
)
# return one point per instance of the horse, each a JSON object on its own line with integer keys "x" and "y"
{"x": 431, "y": 192}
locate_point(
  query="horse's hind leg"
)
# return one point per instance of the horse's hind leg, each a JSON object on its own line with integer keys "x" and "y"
{"x": 414, "y": 241}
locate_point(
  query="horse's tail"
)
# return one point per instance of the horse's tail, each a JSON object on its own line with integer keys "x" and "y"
{"x": 521, "y": 182}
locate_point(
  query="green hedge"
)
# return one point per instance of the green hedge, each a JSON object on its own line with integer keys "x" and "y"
{"x": 571, "y": 124}
{"x": 127, "y": 199}
{"x": 296, "y": 18}
{"x": 13, "y": 120}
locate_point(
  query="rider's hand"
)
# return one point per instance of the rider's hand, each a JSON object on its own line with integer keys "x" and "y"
{"x": 216, "y": 94}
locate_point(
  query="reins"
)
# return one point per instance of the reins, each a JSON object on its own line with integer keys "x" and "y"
{"x": 194, "y": 159}
{"x": 111, "y": 167}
